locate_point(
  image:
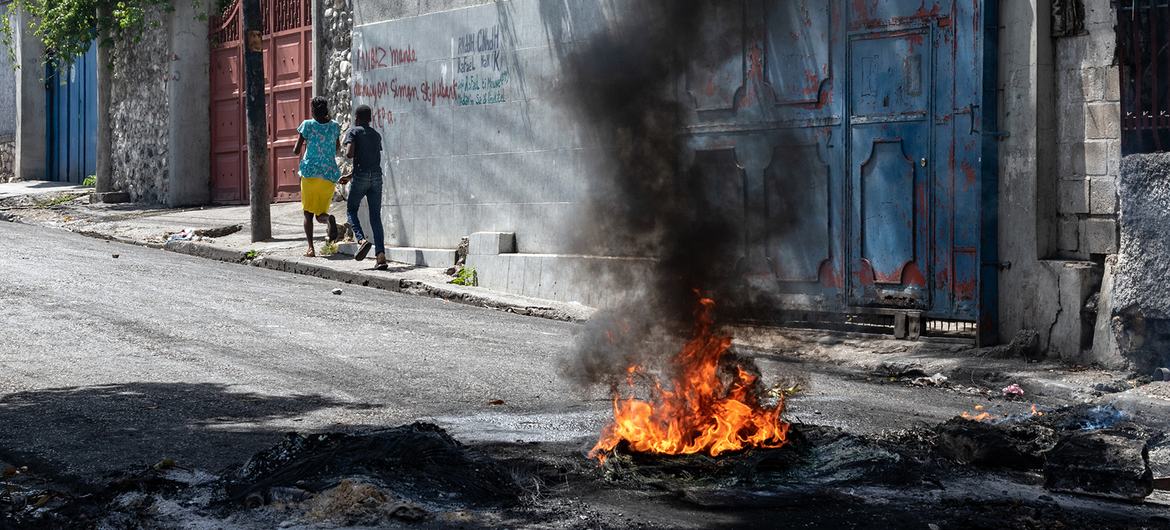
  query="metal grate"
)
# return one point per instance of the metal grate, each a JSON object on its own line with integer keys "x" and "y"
{"x": 1143, "y": 50}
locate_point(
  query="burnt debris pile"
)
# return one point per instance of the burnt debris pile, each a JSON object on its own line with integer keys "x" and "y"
{"x": 1085, "y": 449}
{"x": 418, "y": 466}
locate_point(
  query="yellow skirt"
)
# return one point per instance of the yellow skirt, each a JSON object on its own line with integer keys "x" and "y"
{"x": 316, "y": 195}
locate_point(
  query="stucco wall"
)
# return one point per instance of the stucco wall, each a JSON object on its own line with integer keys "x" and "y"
{"x": 478, "y": 138}
{"x": 8, "y": 79}
{"x": 1089, "y": 141}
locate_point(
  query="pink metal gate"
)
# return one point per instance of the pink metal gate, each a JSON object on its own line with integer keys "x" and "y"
{"x": 288, "y": 71}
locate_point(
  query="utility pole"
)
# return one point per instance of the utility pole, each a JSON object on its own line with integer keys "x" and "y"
{"x": 257, "y": 122}
{"x": 319, "y": 67}
{"x": 103, "y": 176}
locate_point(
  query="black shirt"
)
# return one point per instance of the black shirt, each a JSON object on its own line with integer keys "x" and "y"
{"x": 367, "y": 148}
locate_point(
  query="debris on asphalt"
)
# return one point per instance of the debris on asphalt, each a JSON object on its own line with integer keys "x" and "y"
{"x": 496, "y": 402}
{"x": 1012, "y": 391}
{"x": 420, "y": 463}
{"x": 337, "y": 291}
{"x": 1112, "y": 464}
{"x": 115, "y": 256}
{"x": 185, "y": 234}
{"x": 353, "y": 503}
{"x": 937, "y": 379}
{"x": 219, "y": 231}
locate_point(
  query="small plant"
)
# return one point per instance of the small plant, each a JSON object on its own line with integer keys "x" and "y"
{"x": 251, "y": 254}
{"x": 55, "y": 201}
{"x": 466, "y": 277}
{"x": 89, "y": 181}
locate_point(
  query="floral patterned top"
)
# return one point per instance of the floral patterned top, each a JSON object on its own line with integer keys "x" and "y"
{"x": 320, "y": 158}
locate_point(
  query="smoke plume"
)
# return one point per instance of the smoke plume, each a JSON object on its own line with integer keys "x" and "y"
{"x": 651, "y": 200}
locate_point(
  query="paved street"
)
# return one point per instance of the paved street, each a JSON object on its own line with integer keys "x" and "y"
{"x": 108, "y": 363}
{"x": 115, "y": 357}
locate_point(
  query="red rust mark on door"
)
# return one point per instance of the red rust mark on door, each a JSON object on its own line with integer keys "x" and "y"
{"x": 942, "y": 277}
{"x": 912, "y": 276}
{"x": 829, "y": 277}
{"x": 965, "y": 290}
{"x": 755, "y": 62}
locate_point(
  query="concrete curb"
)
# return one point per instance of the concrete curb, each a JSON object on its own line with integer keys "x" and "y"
{"x": 388, "y": 282}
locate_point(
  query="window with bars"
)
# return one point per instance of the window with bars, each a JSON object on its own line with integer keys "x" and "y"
{"x": 1143, "y": 52}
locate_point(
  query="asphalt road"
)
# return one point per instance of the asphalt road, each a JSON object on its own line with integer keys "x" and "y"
{"x": 110, "y": 363}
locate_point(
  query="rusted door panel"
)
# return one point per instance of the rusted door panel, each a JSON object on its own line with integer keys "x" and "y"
{"x": 228, "y": 175}
{"x": 889, "y": 165}
{"x": 857, "y": 134}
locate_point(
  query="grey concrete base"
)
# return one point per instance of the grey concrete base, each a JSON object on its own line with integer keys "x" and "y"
{"x": 438, "y": 258}
{"x": 110, "y": 197}
{"x": 594, "y": 281}
{"x": 1105, "y": 351}
{"x": 492, "y": 243}
{"x": 1071, "y": 334}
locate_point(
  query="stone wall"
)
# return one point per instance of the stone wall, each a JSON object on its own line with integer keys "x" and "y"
{"x": 1140, "y": 301}
{"x": 7, "y": 159}
{"x": 1089, "y": 135}
{"x": 338, "y": 37}
{"x": 140, "y": 113}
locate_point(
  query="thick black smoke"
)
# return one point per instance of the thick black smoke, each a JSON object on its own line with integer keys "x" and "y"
{"x": 650, "y": 200}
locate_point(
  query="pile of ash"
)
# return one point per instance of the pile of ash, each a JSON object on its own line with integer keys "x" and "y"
{"x": 402, "y": 473}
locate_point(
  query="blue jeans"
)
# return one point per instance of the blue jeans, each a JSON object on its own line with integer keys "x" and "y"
{"x": 367, "y": 186}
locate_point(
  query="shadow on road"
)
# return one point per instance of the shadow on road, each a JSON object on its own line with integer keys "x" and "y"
{"x": 89, "y": 433}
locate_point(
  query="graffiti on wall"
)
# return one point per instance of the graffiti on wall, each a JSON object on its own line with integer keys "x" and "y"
{"x": 400, "y": 77}
{"x": 481, "y": 72}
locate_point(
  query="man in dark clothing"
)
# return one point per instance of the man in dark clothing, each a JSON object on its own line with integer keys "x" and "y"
{"x": 364, "y": 147}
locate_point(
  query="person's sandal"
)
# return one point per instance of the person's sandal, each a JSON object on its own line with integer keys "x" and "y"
{"x": 363, "y": 251}
{"x": 382, "y": 265}
{"x": 333, "y": 232}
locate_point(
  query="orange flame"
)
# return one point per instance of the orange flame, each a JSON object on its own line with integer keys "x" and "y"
{"x": 983, "y": 415}
{"x": 699, "y": 412}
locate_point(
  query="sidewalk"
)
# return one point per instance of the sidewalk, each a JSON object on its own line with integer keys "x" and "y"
{"x": 152, "y": 227}
{"x": 865, "y": 356}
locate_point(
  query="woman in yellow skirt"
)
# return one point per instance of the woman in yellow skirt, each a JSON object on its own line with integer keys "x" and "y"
{"x": 320, "y": 142}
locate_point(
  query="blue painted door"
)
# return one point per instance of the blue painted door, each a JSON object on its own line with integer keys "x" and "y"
{"x": 891, "y": 99}
{"x": 850, "y": 136}
{"x": 72, "y": 119}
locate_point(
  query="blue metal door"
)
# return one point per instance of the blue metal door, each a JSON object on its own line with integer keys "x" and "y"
{"x": 851, "y": 134}
{"x": 72, "y": 119}
{"x": 891, "y": 99}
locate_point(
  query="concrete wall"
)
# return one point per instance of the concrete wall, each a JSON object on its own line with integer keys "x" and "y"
{"x": 503, "y": 156}
{"x": 1057, "y": 107}
{"x": 1089, "y": 142}
{"x": 188, "y": 93}
{"x": 8, "y": 79}
{"x": 30, "y": 110}
{"x": 159, "y": 120}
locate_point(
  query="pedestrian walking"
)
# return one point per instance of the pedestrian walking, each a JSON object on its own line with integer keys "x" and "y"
{"x": 319, "y": 142}
{"x": 364, "y": 147}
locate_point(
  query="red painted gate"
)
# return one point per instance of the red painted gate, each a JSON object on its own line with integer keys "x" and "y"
{"x": 288, "y": 72}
